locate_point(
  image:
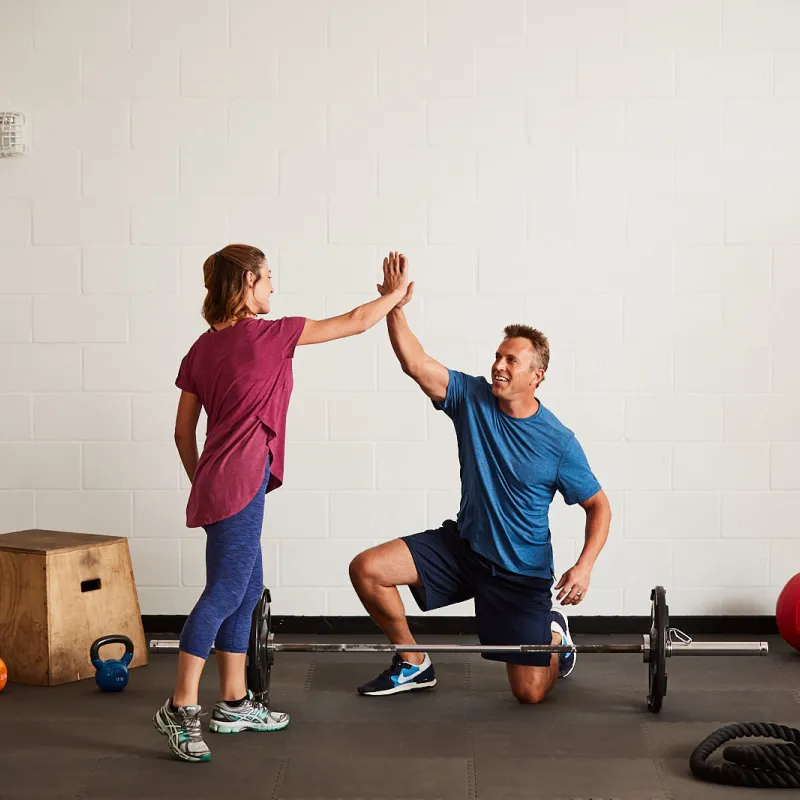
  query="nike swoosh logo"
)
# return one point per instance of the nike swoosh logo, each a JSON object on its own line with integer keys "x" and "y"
{"x": 404, "y": 677}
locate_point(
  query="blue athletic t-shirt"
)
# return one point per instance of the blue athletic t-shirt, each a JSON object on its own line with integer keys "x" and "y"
{"x": 510, "y": 471}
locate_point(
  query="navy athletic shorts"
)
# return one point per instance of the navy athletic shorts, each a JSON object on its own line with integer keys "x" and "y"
{"x": 509, "y": 608}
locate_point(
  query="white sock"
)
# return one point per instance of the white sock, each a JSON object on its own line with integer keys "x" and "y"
{"x": 426, "y": 662}
{"x": 556, "y": 628}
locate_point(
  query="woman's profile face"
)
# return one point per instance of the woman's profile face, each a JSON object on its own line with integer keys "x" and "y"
{"x": 262, "y": 290}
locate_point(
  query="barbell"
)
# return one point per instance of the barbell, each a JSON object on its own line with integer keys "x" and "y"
{"x": 658, "y": 644}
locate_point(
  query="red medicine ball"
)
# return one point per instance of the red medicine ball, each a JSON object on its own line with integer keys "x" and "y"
{"x": 787, "y": 612}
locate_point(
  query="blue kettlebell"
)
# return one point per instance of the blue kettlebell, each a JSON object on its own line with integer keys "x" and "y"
{"x": 111, "y": 675}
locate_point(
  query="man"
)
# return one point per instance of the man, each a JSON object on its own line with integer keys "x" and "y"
{"x": 514, "y": 455}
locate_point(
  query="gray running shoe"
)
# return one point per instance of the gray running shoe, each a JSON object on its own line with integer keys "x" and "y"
{"x": 183, "y": 731}
{"x": 251, "y": 715}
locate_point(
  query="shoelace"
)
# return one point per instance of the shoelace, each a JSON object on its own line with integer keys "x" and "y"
{"x": 191, "y": 722}
{"x": 259, "y": 705}
{"x": 397, "y": 663}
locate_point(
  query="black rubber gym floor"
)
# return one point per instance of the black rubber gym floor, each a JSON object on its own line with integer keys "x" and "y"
{"x": 467, "y": 738}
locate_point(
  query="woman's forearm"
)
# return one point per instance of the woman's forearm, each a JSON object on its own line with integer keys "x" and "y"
{"x": 370, "y": 314}
{"x": 187, "y": 450}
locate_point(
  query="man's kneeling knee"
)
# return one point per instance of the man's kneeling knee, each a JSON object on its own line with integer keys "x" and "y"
{"x": 530, "y": 695}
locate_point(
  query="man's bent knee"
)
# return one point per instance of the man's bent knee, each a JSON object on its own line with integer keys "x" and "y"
{"x": 529, "y": 695}
{"x": 362, "y": 567}
{"x": 529, "y": 685}
{"x": 388, "y": 564}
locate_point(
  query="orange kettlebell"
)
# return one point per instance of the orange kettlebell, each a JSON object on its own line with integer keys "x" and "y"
{"x": 3, "y": 675}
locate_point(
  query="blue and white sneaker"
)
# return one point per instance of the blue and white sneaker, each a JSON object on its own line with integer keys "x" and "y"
{"x": 401, "y": 677}
{"x": 560, "y": 625}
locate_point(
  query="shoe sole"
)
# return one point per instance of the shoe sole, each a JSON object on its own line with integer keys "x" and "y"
{"x": 572, "y": 666}
{"x": 403, "y": 687}
{"x": 179, "y": 753}
{"x": 243, "y": 727}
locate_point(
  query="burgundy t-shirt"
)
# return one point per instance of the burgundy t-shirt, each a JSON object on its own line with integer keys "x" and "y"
{"x": 243, "y": 377}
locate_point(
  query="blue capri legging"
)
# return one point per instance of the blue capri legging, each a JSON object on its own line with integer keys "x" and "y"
{"x": 234, "y": 581}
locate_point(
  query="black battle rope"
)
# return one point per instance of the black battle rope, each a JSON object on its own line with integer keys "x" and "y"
{"x": 774, "y": 766}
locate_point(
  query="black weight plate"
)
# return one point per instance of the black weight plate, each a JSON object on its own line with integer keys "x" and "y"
{"x": 259, "y": 659}
{"x": 657, "y": 666}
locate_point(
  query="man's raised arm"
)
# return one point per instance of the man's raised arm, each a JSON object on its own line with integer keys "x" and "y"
{"x": 431, "y": 376}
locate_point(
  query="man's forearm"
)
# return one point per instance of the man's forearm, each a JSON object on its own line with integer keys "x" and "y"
{"x": 406, "y": 346}
{"x": 598, "y": 521}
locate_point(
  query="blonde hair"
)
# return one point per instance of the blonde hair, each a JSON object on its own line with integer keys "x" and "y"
{"x": 541, "y": 347}
{"x": 225, "y": 278}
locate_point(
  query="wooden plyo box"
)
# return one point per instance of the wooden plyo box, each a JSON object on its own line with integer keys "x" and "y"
{"x": 59, "y": 592}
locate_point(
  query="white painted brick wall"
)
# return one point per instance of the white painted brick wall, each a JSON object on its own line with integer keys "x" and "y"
{"x": 68, "y": 125}
{"x": 675, "y": 418}
{"x": 15, "y": 221}
{"x": 130, "y": 270}
{"x": 80, "y": 222}
{"x": 81, "y": 417}
{"x": 40, "y": 270}
{"x": 183, "y": 22}
{"x": 619, "y": 174}
{"x": 40, "y": 367}
{"x": 627, "y": 466}
{"x": 328, "y": 568}
{"x": 784, "y": 465}
{"x": 102, "y": 512}
{"x": 672, "y": 515}
{"x": 16, "y": 319}
{"x": 787, "y": 82}
{"x": 161, "y": 514}
{"x": 16, "y": 417}
{"x": 294, "y": 514}
{"x": 174, "y": 221}
{"x": 29, "y": 465}
{"x": 385, "y": 515}
{"x": 429, "y": 465}
{"x": 17, "y": 510}
{"x": 255, "y": 23}
{"x": 683, "y": 24}
{"x": 278, "y": 220}
{"x": 85, "y": 319}
{"x": 575, "y": 23}
{"x": 721, "y": 465}
{"x": 54, "y": 172}
{"x": 129, "y": 465}
{"x": 156, "y": 562}
{"x": 722, "y": 564}
{"x": 150, "y": 72}
{"x": 125, "y": 368}
{"x": 759, "y": 515}
{"x": 377, "y": 417}
{"x": 243, "y": 172}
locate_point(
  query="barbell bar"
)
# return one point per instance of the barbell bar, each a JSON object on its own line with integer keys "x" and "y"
{"x": 660, "y": 643}
{"x": 675, "y": 648}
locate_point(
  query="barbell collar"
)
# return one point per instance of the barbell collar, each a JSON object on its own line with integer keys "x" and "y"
{"x": 165, "y": 646}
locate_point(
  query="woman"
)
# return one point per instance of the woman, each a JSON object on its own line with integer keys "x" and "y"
{"x": 240, "y": 372}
